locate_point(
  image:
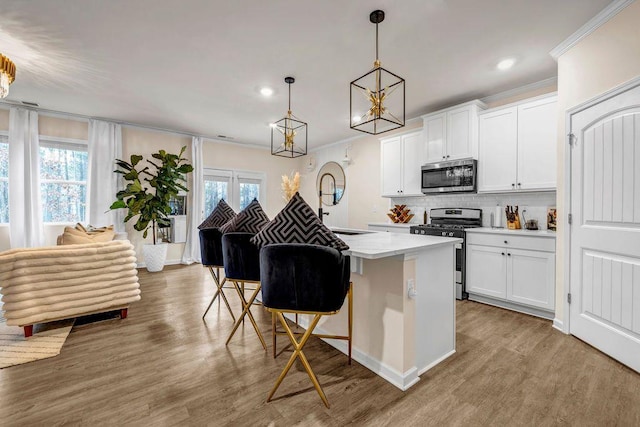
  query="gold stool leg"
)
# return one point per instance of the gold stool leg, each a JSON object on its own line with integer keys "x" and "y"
{"x": 219, "y": 291}
{"x": 299, "y": 353}
{"x": 247, "y": 312}
{"x": 273, "y": 332}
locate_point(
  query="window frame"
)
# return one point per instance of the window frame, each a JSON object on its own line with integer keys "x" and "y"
{"x": 46, "y": 141}
{"x": 4, "y": 139}
{"x": 234, "y": 178}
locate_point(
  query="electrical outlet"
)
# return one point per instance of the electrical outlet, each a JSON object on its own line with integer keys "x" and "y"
{"x": 411, "y": 289}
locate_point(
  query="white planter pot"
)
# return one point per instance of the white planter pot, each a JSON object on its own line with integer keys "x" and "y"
{"x": 155, "y": 256}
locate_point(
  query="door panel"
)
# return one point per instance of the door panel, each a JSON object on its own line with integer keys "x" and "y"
{"x": 486, "y": 271}
{"x": 531, "y": 278}
{"x": 537, "y": 144}
{"x": 498, "y": 146}
{"x": 391, "y": 161}
{"x": 459, "y": 134}
{"x": 435, "y": 134}
{"x": 605, "y": 235}
{"x": 412, "y": 160}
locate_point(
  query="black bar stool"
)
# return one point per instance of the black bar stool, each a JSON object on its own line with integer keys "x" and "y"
{"x": 304, "y": 279}
{"x": 211, "y": 253}
{"x": 242, "y": 265}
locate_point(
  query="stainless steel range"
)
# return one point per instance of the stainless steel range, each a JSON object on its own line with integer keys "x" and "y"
{"x": 451, "y": 222}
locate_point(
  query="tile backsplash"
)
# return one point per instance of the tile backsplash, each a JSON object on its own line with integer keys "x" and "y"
{"x": 535, "y": 205}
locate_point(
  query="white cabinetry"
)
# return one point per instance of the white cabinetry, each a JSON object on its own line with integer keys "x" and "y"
{"x": 512, "y": 271}
{"x": 452, "y": 134}
{"x": 401, "y": 159}
{"x": 517, "y": 147}
{"x": 390, "y": 228}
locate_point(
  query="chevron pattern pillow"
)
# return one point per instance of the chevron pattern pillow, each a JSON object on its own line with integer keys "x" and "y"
{"x": 298, "y": 223}
{"x": 250, "y": 220}
{"x": 222, "y": 214}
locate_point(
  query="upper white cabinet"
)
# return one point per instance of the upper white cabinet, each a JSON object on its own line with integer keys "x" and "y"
{"x": 401, "y": 159}
{"x": 452, "y": 134}
{"x": 517, "y": 147}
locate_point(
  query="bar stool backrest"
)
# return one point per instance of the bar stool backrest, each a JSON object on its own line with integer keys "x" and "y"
{"x": 303, "y": 277}
{"x": 241, "y": 257}
{"x": 211, "y": 247}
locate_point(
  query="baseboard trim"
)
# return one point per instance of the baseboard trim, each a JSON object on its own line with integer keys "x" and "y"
{"x": 532, "y": 311}
{"x": 559, "y": 325}
{"x": 167, "y": 262}
{"x": 436, "y": 362}
{"x": 403, "y": 381}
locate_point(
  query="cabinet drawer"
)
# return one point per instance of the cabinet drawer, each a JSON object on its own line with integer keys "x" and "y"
{"x": 508, "y": 241}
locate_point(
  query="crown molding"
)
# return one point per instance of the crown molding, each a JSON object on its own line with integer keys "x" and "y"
{"x": 520, "y": 90}
{"x": 593, "y": 24}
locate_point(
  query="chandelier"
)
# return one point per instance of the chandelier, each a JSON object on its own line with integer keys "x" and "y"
{"x": 7, "y": 75}
{"x": 289, "y": 134}
{"x": 377, "y": 101}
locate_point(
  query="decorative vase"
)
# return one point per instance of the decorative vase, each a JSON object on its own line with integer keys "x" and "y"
{"x": 155, "y": 256}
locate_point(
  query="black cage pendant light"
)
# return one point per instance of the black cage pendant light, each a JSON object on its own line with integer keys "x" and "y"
{"x": 377, "y": 99}
{"x": 289, "y": 134}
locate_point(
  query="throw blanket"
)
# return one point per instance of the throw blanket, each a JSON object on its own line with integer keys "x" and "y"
{"x": 58, "y": 282}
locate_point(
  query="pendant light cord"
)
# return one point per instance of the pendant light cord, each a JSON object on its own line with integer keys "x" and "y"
{"x": 377, "y": 41}
{"x": 289, "y": 96}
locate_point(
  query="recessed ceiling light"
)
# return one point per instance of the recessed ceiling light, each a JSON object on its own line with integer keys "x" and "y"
{"x": 273, "y": 125}
{"x": 505, "y": 64}
{"x": 356, "y": 119}
{"x": 266, "y": 91}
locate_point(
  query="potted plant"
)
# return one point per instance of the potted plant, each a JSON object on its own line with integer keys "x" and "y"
{"x": 147, "y": 195}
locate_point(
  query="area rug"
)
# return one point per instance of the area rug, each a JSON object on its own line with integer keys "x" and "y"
{"x": 47, "y": 341}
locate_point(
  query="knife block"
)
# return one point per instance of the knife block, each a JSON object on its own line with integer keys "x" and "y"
{"x": 514, "y": 224}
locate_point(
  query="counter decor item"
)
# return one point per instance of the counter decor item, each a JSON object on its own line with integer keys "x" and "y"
{"x": 551, "y": 219}
{"x": 290, "y": 185}
{"x": 400, "y": 214}
{"x": 513, "y": 218}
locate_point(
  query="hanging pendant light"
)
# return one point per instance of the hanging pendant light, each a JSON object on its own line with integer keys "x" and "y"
{"x": 377, "y": 99}
{"x": 289, "y": 134}
{"x": 7, "y": 75}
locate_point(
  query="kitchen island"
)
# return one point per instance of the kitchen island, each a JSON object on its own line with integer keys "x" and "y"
{"x": 403, "y": 303}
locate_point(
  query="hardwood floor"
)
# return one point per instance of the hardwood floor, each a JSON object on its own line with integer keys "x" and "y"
{"x": 164, "y": 366}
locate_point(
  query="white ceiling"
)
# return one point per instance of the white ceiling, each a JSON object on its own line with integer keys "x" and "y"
{"x": 197, "y": 66}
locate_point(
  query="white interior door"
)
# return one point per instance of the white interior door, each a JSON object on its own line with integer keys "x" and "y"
{"x": 605, "y": 235}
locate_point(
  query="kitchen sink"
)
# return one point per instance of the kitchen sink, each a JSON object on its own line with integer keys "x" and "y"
{"x": 351, "y": 232}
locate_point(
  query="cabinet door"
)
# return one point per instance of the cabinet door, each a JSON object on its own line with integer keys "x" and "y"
{"x": 537, "y": 144}
{"x": 486, "y": 271}
{"x": 531, "y": 278}
{"x": 412, "y": 161}
{"x": 498, "y": 148}
{"x": 435, "y": 132}
{"x": 459, "y": 136}
{"x": 391, "y": 165}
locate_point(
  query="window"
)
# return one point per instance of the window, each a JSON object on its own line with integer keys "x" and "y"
{"x": 63, "y": 181}
{"x": 4, "y": 180}
{"x": 236, "y": 187}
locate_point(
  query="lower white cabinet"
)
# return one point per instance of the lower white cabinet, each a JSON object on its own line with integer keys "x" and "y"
{"x": 512, "y": 271}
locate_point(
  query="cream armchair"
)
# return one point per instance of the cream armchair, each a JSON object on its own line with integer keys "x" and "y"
{"x": 40, "y": 285}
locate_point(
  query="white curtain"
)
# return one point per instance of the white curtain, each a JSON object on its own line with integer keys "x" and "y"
{"x": 25, "y": 204}
{"x": 105, "y": 145}
{"x": 191, "y": 252}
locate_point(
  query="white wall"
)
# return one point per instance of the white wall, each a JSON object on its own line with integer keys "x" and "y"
{"x": 601, "y": 61}
{"x": 136, "y": 140}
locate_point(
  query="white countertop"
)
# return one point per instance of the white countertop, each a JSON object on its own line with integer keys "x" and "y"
{"x": 393, "y": 224}
{"x": 533, "y": 233}
{"x": 373, "y": 245}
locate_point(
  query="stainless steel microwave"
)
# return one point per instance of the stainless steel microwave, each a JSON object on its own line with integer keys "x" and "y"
{"x": 456, "y": 176}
